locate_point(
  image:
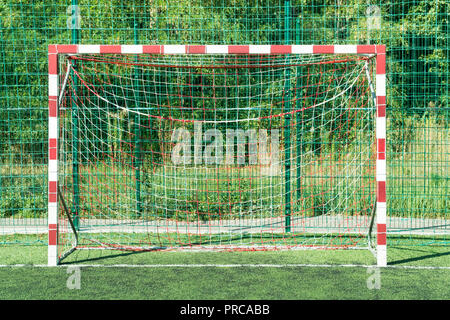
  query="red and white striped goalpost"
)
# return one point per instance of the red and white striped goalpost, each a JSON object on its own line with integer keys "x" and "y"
{"x": 53, "y": 94}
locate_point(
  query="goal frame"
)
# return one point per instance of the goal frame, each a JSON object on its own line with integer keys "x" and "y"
{"x": 55, "y": 50}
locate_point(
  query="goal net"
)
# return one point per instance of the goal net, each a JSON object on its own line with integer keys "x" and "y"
{"x": 216, "y": 152}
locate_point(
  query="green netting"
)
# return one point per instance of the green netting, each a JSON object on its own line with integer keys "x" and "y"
{"x": 415, "y": 33}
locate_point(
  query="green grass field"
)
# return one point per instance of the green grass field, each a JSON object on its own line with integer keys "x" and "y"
{"x": 235, "y": 275}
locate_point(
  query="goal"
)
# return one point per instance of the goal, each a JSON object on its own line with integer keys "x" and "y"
{"x": 216, "y": 147}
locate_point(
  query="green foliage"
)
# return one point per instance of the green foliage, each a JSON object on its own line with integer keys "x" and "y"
{"x": 415, "y": 32}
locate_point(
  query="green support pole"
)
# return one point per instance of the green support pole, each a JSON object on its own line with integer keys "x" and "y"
{"x": 75, "y": 151}
{"x": 297, "y": 125}
{"x": 287, "y": 123}
{"x": 137, "y": 141}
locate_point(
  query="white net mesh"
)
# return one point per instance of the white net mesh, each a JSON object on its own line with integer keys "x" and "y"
{"x": 217, "y": 152}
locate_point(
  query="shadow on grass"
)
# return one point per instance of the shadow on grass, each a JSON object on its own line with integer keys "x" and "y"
{"x": 109, "y": 256}
{"x": 424, "y": 256}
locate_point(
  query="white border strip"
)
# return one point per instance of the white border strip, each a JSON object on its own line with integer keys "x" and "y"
{"x": 88, "y": 48}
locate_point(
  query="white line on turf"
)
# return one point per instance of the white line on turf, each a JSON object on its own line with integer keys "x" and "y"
{"x": 225, "y": 266}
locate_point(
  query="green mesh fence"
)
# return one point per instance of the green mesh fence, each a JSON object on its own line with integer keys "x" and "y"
{"x": 415, "y": 33}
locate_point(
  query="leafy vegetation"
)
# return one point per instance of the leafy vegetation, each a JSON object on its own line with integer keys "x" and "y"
{"x": 416, "y": 35}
